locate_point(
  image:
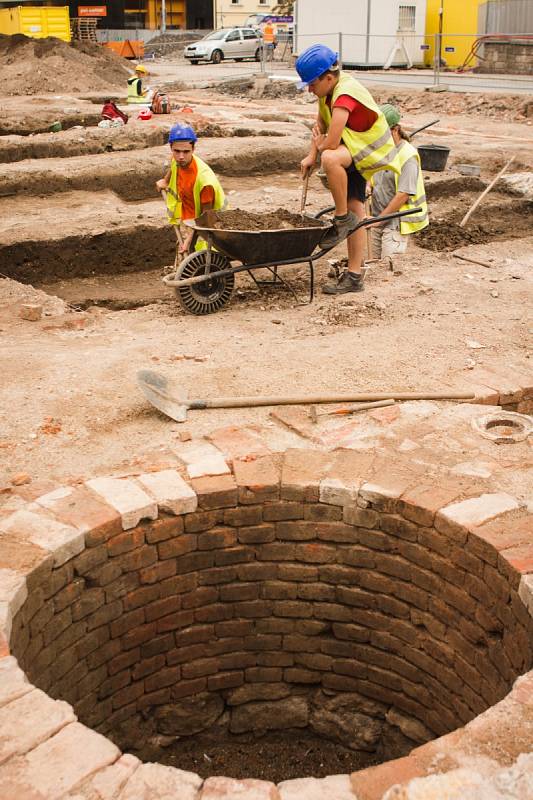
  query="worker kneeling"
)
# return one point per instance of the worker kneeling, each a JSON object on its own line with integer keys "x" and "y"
{"x": 392, "y": 192}
{"x": 190, "y": 184}
{"x": 137, "y": 93}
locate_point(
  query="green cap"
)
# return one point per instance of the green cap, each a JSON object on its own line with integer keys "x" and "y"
{"x": 391, "y": 114}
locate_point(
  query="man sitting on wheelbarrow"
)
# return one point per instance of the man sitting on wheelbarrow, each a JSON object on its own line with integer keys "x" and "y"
{"x": 190, "y": 184}
{"x": 354, "y": 141}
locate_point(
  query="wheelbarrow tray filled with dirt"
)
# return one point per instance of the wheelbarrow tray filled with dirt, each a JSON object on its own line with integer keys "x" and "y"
{"x": 296, "y": 237}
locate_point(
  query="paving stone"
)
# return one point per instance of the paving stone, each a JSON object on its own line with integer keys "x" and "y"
{"x": 62, "y": 541}
{"x": 157, "y": 782}
{"x": 13, "y": 681}
{"x": 109, "y": 781}
{"x": 58, "y": 765}
{"x": 219, "y": 788}
{"x": 171, "y": 492}
{"x": 237, "y": 443}
{"x": 13, "y": 589}
{"x": 475, "y": 511}
{"x": 297, "y": 420}
{"x": 30, "y": 720}
{"x": 127, "y": 498}
{"x": 334, "y": 787}
{"x": 257, "y": 480}
{"x": 302, "y": 472}
{"x": 81, "y": 508}
{"x": 202, "y": 459}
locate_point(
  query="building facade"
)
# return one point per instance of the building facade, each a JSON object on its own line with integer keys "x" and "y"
{"x": 146, "y": 14}
{"x": 235, "y": 12}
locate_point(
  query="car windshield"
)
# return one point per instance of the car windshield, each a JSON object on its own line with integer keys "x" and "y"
{"x": 215, "y": 35}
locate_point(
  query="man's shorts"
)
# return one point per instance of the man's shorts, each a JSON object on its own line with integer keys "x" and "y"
{"x": 356, "y": 184}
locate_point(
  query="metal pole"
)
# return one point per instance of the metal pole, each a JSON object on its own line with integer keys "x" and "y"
{"x": 163, "y": 16}
{"x": 368, "y": 17}
{"x": 340, "y": 50}
{"x": 438, "y": 44}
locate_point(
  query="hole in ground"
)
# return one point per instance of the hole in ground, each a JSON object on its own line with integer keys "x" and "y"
{"x": 290, "y": 619}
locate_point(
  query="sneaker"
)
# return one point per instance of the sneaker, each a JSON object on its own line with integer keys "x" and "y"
{"x": 340, "y": 229}
{"x": 348, "y": 282}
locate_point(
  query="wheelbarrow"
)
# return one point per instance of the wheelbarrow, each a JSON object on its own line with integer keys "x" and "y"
{"x": 204, "y": 281}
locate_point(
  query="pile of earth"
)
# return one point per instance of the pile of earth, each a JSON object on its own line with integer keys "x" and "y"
{"x": 172, "y": 44}
{"x": 38, "y": 66}
{"x": 473, "y": 104}
{"x": 239, "y": 220}
{"x": 246, "y": 86}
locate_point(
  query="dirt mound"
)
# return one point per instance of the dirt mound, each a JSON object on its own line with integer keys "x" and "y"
{"x": 489, "y": 224}
{"x": 39, "y": 66}
{"x": 474, "y": 104}
{"x": 239, "y": 220}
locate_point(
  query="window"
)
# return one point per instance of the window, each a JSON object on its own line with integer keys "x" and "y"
{"x": 406, "y": 18}
{"x": 248, "y": 33}
{"x": 263, "y": 2}
{"x": 234, "y": 36}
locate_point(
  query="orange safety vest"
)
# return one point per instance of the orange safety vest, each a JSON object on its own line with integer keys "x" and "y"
{"x": 268, "y": 34}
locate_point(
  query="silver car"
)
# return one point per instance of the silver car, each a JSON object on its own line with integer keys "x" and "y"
{"x": 236, "y": 43}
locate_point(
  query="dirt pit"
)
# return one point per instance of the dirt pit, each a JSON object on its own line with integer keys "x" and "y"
{"x": 275, "y": 756}
{"x": 239, "y": 220}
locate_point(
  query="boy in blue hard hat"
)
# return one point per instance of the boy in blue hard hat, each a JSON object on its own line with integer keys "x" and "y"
{"x": 191, "y": 185}
{"x": 354, "y": 142}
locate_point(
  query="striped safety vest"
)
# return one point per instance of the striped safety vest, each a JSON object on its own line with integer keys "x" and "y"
{"x": 205, "y": 177}
{"x": 133, "y": 97}
{"x": 371, "y": 150}
{"x": 418, "y": 221}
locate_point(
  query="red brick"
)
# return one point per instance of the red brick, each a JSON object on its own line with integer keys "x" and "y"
{"x": 253, "y": 609}
{"x": 137, "y": 559}
{"x": 159, "y": 530}
{"x": 163, "y": 607}
{"x": 82, "y": 509}
{"x": 160, "y": 644}
{"x": 237, "y": 442}
{"x": 184, "y": 655}
{"x": 178, "y": 584}
{"x": 217, "y": 538}
{"x": 213, "y": 613}
{"x": 195, "y": 635}
{"x": 219, "y": 491}
{"x": 234, "y": 555}
{"x": 256, "y": 534}
{"x": 299, "y": 675}
{"x": 288, "y": 608}
{"x": 225, "y": 680}
{"x": 180, "y": 619}
{"x": 188, "y": 688}
{"x": 65, "y": 597}
{"x": 140, "y": 597}
{"x": 279, "y": 590}
{"x": 201, "y": 521}
{"x": 165, "y": 677}
{"x": 127, "y": 622}
{"x": 172, "y": 548}
{"x": 195, "y": 561}
{"x": 234, "y": 627}
{"x": 262, "y": 642}
{"x": 273, "y": 512}
{"x": 250, "y": 515}
{"x": 159, "y": 571}
{"x": 200, "y": 668}
{"x": 128, "y": 695}
{"x": 297, "y": 572}
{"x": 138, "y": 636}
{"x": 257, "y": 480}
{"x": 200, "y": 597}
{"x": 322, "y": 513}
{"x": 124, "y": 542}
{"x": 301, "y": 474}
{"x": 240, "y": 591}
{"x": 217, "y": 575}
{"x": 123, "y": 660}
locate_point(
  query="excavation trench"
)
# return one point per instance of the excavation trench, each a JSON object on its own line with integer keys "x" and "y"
{"x": 217, "y": 640}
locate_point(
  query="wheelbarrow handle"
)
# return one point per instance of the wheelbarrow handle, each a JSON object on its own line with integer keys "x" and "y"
{"x": 423, "y": 128}
{"x": 387, "y": 217}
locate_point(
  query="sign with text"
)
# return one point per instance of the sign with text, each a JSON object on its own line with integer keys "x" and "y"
{"x": 424, "y": 46}
{"x": 92, "y": 11}
{"x": 449, "y": 49}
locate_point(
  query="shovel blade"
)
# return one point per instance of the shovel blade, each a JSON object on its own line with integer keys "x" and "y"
{"x": 156, "y": 390}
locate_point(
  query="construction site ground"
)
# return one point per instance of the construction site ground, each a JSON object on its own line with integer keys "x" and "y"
{"x": 85, "y": 235}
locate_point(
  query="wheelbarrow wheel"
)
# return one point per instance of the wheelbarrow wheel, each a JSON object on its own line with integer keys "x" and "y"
{"x": 211, "y": 295}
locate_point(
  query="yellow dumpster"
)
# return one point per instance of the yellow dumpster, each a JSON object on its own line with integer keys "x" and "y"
{"x": 36, "y": 21}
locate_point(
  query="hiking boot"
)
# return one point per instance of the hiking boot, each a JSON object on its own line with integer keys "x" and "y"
{"x": 340, "y": 229}
{"x": 348, "y": 282}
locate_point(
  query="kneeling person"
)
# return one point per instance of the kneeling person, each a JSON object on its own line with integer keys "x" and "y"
{"x": 392, "y": 192}
{"x": 191, "y": 185}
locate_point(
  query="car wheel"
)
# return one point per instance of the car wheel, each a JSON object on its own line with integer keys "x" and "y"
{"x": 217, "y": 56}
{"x": 258, "y": 54}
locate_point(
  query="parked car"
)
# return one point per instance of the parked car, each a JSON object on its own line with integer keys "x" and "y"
{"x": 226, "y": 43}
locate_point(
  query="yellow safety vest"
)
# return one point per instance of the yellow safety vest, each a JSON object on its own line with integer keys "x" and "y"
{"x": 133, "y": 97}
{"x": 418, "y": 221}
{"x": 371, "y": 150}
{"x": 205, "y": 177}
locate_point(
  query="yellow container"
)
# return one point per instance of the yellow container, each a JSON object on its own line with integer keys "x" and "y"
{"x": 36, "y": 21}
{"x": 459, "y": 29}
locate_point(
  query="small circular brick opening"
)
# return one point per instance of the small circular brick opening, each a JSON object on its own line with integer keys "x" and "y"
{"x": 359, "y": 625}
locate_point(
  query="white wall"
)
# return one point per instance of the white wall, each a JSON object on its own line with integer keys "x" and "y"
{"x": 319, "y": 22}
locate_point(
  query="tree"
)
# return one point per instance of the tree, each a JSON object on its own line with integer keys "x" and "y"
{"x": 284, "y": 8}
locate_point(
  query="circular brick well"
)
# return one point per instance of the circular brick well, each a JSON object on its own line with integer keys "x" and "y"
{"x": 368, "y": 619}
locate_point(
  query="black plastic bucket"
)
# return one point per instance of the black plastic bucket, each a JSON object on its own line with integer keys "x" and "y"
{"x": 433, "y": 157}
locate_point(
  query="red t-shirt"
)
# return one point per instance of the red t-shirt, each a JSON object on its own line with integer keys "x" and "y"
{"x": 186, "y": 180}
{"x": 360, "y": 118}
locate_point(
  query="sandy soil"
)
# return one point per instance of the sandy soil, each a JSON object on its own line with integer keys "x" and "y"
{"x": 70, "y": 405}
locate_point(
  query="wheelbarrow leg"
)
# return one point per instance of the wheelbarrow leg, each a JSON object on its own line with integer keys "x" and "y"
{"x": 311, "y": 281}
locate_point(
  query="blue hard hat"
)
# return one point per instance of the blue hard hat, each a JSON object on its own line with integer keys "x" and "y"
{"x": 313, "y": 62}
{"x": 182, "y": 133}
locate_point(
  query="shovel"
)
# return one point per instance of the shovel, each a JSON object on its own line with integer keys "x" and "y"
{"x": 179, "y": 237}
{"x": 304, "y": 193}
{"x": 174, "y": 401}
